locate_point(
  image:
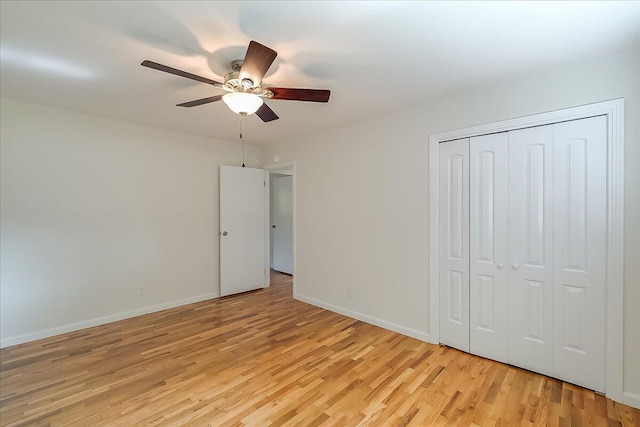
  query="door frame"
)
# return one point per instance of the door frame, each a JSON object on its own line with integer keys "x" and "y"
{"x": 285, "y": 168}
{"x": 614, "y": 111}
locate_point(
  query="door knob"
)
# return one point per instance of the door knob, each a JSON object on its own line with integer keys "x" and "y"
{"x": 273, "y": 226}
{"x": 515, "y": 266}
{"x": 224, "y": 233}
{"x": 500, "y": 266}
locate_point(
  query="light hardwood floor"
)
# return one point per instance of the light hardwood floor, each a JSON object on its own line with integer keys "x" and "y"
{"x": 262, "y": 358}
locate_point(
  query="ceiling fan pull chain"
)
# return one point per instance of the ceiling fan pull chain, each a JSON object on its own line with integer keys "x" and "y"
{"x": 241, "y": 135}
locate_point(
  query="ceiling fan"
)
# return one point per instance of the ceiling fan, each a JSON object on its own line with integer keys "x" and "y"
{"x": 244, "y": 85}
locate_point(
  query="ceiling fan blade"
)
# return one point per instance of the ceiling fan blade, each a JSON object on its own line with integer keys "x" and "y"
{"x": 200, "y": 101}
{"x": 266, "y": 113}
{"x": 313, "y": 95}
{"x": 175, "y": 71}
{"x": 256, "y": 62}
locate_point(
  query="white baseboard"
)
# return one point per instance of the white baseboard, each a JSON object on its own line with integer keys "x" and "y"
{"x": 72, "y": 327}
{"x": 410, "y": 332}
{"x": 631, "y": 399}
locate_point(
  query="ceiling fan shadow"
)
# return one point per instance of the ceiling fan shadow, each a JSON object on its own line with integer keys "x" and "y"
{"x": 257, "y": 21}
{"x": 190, "y": 48}
{"x": 328, "y": 65}
{"x": 164, "y": 31}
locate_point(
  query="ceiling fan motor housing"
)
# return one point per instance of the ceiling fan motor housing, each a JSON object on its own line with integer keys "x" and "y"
{"x": 232, "y": 82}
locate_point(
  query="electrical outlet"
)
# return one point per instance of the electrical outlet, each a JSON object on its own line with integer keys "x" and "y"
{"x": 142, "y": 291}
{"x": 349, "y": 293}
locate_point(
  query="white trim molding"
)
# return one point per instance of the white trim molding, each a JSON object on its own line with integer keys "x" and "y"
{"x": 73, "y": 327}
{"x": 390, "y": 326}
{"x": 631, "y": 399}
{"x": 614, "y": 111}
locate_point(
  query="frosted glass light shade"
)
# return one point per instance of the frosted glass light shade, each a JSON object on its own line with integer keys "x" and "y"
{"x": 240, "y": 102}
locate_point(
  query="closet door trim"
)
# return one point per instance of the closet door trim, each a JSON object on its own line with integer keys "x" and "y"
{"x": 614, "y": 112}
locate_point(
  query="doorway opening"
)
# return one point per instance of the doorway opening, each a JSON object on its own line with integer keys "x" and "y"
{"x": 281, "y": 226}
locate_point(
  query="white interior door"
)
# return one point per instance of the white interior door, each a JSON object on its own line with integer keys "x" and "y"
{"x": 243, "y": 264}
{"x": 454, "y": 243}
{"x": 282, "y": 224}
{"x": 531, "y": 248}
{"x": 489, "y": 246}
{"x": 580, "y": 251}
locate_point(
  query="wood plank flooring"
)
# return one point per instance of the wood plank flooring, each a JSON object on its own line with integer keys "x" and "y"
{"x": 262, "y": 358}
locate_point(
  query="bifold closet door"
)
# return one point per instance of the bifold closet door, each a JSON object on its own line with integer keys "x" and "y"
{"x": 531, "y": 248}
{"x": 580, "y": 181}
{"x": 489, "y": 246}
{"x": 523, "y": 248}
{"x": 557, "y": 250}
{"x": 454, "y": 243}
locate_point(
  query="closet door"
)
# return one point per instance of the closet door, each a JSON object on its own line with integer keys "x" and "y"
{"x": 454, "y": 243}
{"x": 489, "y": 246}
{"x": 531, "y": 248}
{"x": 580, "y": 251}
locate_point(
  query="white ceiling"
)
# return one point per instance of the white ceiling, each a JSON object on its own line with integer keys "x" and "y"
{"x": 375, "y": 56}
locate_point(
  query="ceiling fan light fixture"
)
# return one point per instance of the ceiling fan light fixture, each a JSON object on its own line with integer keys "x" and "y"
{"x": 245, "y": 85}
{"x": 242, "y": 103}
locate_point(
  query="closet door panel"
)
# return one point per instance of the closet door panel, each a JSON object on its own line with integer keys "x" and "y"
{"x": 488, "y": 249}
{"x": 531, "y": 248}
{"x": 580, "y": 251}
{"x": 454, "y": 243}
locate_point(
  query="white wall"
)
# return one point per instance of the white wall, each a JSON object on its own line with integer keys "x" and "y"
{"x": 93, "y": 209}
{"x": 362, "y": 194}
